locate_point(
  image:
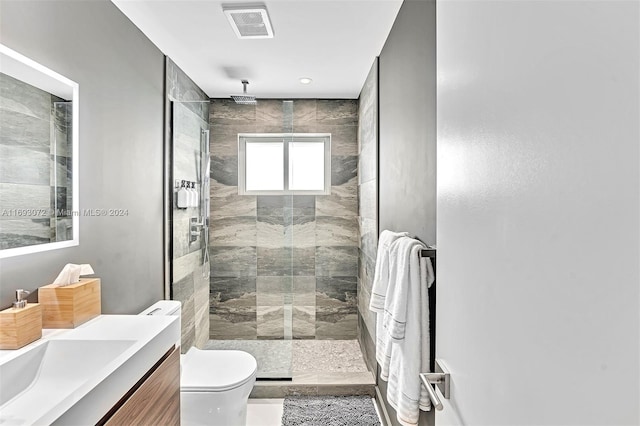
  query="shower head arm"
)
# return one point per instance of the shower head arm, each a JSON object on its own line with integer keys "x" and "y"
{"x": 245, "y": 98}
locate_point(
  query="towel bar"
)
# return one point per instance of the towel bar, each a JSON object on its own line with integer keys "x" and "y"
{"x": 430, "y": 252}
{"x": 440, "y": 378}
{"x": 427, "y": 379}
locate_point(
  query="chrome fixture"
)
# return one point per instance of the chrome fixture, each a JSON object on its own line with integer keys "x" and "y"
{"x": 21, "y": 298}
{"x": 244, "y": 99}
{"x": 442, "y": 379}
{"x": 205, "y": 187}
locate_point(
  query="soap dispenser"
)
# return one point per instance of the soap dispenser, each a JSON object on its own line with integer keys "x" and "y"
{"x": 21, "y": 324}
{"x": 192, "y": 194}
{"x": 196, "y": 195}
{"x": 183, "y": 196}
{"x": 21, "y": 299}
{"x": 189, "y": 195}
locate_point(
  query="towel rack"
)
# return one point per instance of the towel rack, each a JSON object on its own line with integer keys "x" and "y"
{"x": 428, "y": 252}
{"x": 440, "y": 378}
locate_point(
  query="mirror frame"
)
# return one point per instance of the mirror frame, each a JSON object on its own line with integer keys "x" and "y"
{"x": 35, "y": 70}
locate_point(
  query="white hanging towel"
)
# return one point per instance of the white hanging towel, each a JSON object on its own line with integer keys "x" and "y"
{"x": 407, "y": 323}
{"x": 378, "y": 297}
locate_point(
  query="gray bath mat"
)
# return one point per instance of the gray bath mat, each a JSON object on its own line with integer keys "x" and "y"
{"x": 329, "y": 411}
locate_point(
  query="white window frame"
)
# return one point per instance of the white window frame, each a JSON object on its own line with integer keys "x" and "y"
{"x": 286, "y": 139}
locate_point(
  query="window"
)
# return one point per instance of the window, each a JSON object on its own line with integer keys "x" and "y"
{"x": 276, "y": 164}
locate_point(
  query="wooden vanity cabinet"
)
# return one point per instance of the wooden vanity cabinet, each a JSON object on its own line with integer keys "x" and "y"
{"x": 154, "y": 400}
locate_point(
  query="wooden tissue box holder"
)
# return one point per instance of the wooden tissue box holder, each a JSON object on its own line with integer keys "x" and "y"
{"x": 71, "y": 305}
{"x": 19, "y": 327}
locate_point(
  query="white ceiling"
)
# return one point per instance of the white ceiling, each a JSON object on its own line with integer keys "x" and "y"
{"x": 334, "y": 42}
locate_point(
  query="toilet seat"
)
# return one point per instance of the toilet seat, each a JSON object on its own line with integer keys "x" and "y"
{"x": 215, "y": 370}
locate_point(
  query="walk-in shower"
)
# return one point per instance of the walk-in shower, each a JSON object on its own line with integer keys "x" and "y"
{"x": 288, "y": 272}
{"x": 284, "y": 264}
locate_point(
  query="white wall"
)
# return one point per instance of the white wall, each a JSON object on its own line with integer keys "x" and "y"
{"x": 121, "y": 78}
{"x": 538, "y": 211}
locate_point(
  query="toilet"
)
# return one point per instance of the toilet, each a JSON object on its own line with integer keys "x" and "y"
{"x": 214, "y": 384}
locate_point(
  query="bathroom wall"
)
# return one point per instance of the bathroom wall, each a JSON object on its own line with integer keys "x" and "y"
{"x": 408, "y": 123}
{"x": 35, "y": 171}
{"x": 187, "y": 115}
{"x": 367, "y": 210}
{"x": 121, "y": 78}
{"x": 263, "y": 246}
{"x": 407, "y": 152}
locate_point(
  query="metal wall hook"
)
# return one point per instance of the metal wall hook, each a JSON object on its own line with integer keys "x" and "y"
{"x": 440, "y": 378}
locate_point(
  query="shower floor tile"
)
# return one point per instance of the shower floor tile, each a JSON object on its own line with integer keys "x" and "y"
{"x": 327, "y": 356}
{"x": 305, "y": 367}
{"x": 279, "y": 358}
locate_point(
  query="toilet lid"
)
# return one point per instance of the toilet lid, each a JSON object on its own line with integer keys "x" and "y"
{"x": 215, "y": 370}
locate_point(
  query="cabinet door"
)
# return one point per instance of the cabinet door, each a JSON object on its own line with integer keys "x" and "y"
{"x": 157, "y": 400}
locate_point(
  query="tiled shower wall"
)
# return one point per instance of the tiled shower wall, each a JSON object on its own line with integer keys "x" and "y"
{"x": 189, "y": 280}
{"x": 275, "y": 258}
{"x": 368, "y": 210}
{"x": 35, "y": 171}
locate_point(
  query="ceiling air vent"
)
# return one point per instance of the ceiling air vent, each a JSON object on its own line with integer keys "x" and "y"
{"x": 249, "y": 21}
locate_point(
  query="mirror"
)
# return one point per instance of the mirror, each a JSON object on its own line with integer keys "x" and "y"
{"x": 38, "y": 157}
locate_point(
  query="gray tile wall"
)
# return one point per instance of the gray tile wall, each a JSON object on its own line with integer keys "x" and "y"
{"x": 35, "y": 171}
{"x": 368, "y": 209}
{"x": 281, "y": 265}
{"x": 189, "y": 280}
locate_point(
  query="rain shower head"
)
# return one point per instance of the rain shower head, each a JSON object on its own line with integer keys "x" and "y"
{"x": 244, "y": 99}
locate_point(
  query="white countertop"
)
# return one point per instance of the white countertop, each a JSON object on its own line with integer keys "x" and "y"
{"x": 87, "y": 384}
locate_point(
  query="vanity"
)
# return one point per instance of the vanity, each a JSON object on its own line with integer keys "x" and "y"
{"x": 111, "y": 370}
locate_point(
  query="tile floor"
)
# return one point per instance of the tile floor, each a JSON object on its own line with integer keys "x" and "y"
{"x": 309, "y": 367}
{"x": 264, "y": 412}
{"x": 287, "y": 358}
{"x": 327, "y": 356}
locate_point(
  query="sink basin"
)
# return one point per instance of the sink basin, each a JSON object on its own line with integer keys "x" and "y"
{"x": 76, "y": 376}
{"x": 54, "y": 364}
{"x": 55, "y": 367}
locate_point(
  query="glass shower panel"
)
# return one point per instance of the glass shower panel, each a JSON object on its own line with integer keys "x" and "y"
{"x": 274, "y": 283}
{"x": 190, "y": 215}
{"x": 287, "y": 127}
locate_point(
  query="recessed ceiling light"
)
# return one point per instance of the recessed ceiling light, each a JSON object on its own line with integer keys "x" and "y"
{"x": 305, "y": 80}
{"x": 249, "y": 21}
